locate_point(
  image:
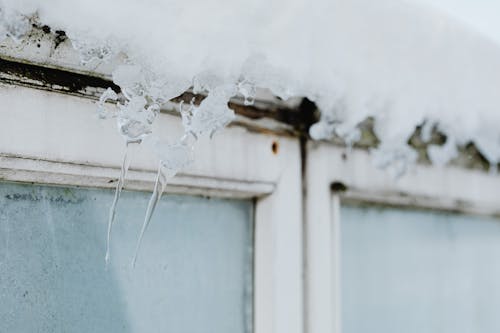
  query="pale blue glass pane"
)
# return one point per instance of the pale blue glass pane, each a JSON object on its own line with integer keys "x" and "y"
{"x": 194, "y": 272}
{"x": 409, "y": 271}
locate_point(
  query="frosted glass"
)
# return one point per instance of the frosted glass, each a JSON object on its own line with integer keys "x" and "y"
{"x": 415, "y": 271}
{"x": 193, "y": 275}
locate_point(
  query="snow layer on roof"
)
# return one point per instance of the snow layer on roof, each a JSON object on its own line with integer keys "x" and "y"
{"x": 480, "y": 15}
{"x": 402, "y": 63}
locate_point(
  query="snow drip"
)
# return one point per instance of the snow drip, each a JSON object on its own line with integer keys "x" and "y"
{"x": 399, "y": 62}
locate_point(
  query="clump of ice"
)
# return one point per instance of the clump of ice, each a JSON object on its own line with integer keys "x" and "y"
{"x": 108, "y": 94}
{"x": 142, "y": 80}
{"x": 248, "y": 90}
{"x": 211, "y": 115}
{"x": 135, "y": 119}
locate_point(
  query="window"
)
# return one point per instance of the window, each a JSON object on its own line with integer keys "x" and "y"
{"x": 194, "y": 272}
{"x": 419, "y": 271}
{"x": 53, "y": 138}
{"x": 413, "y": 268}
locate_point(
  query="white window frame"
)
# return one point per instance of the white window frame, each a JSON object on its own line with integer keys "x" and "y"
{"x": 44, "y": 138}
{"x": 446, "y": 188}
{"x": 53, "y": 138}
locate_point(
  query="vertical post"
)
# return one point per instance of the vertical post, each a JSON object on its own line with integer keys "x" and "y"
{"x": 335, "y": 253}
{"x": 278, "y": 250}
{"x": 319, "y": 279}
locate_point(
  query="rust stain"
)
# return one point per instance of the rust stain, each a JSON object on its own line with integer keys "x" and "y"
{"x": 275, "y": 147}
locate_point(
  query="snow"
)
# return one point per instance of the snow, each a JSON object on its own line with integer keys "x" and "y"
{"x": 480, "y": 15}
{"x": 404, "y": 63}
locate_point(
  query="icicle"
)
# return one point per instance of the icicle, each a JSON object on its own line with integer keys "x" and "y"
{"x": 119, "y": 188}
{"x": 173, "y": 158}
{"x": 135, "y": 124}
{"x": 160, "y": 184}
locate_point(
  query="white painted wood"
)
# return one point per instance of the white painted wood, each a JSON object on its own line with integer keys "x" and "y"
{"x": 278, "y": 270}
{"x": 318, "y": 260}
{"x": 53, "y": 138}
{"x": 335, "y": 252}
{"x": 20, "y": 169}
{"x": 55, "y": 127}
{"x": 447, "y": 188}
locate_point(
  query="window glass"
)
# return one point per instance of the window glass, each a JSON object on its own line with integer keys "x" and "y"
{"x": 193, "y": 274}
{"x": 419, "y": 271}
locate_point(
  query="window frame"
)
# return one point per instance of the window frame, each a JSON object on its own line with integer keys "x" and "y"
{"x": 335, "y": 175}
{"x": 44, "y": 139}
